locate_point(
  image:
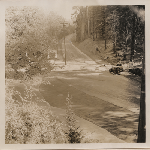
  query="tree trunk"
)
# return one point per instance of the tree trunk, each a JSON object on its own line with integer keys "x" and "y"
{"x": 105, "y": 26}
{"x": 142, "y": 116}
{"x": 93, "y": 29}
{"x": 115, "y": 44}
{"x": 133, "y": 39}
{"x": 105, "y": 44}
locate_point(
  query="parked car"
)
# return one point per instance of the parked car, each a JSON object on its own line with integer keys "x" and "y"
{"x": 136, "y": 71}
{"x": 116, "y": 69}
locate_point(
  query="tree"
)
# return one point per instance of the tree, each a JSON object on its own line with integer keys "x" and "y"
{"x": 30, "y": 34}
{"x": 80, "y": 19}
{"x": 140, "y": 11}
{"x": 131, "y": 28}
{"x": 126, "y": 27}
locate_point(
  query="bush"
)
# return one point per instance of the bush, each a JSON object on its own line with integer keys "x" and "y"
{"x": 9, "y": 74}
{"x": 28, "y": 123}
{"x": 73, "y": 134}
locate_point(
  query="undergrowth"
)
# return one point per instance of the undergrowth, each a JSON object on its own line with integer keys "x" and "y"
{"x": 73, "y": 133}
{"x": 28, "y": 123}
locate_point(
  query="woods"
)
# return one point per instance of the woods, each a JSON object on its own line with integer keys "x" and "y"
{"x": 30, "y": 36}
{"x": 124, "y": 26}
{"x": 121, "y": 24}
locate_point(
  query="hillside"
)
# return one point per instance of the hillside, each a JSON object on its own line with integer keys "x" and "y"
{"x": 88, "y": 46}
{"x": 107, "y": 56}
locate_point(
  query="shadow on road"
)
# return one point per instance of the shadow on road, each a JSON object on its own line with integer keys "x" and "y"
{"x": 117, "y": 120}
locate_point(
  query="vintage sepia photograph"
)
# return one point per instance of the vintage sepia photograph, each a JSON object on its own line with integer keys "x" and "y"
{"x": 75, "y": 73}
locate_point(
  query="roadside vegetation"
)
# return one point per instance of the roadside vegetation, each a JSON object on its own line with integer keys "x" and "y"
{"x": 117, "y": 29}
{"x": 28, "y": 123}
{"x": 74, "y": 134}
{"x": 30, "y": 37}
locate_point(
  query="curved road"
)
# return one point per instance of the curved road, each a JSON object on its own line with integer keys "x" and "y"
{"x": 109, "y": 101}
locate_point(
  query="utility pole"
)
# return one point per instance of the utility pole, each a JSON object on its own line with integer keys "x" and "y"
{"x": 64, "y": 38}
{"x": 142, "y": 116}
{"x": 65, "y": 50}
{"x": 133, "y": 38}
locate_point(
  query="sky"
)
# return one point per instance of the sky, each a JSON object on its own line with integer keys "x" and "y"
{"x": 64, "y": 7}
{"x": 61, "y": 7}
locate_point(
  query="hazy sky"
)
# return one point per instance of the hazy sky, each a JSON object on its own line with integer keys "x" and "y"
{"x": 62, "y": 7}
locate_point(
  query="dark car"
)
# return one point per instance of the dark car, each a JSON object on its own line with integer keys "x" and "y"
{"x": 116, "y": 69}
{"x": 136, "y": 71}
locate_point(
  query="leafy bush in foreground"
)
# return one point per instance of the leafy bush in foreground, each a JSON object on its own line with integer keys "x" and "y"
{"x": 28, "y": 123}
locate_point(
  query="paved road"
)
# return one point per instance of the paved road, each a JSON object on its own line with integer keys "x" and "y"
{"x": 73, "y": 53}
{"x": 109, "y": 101}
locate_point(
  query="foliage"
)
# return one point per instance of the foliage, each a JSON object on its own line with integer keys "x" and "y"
{"x": 126, "y": 26}
{"x": 72, "y": 132}
{"x": 122, "y": 24}
{"x": 69, "y": 29}
{"x": 77, "y": 10}
{"x": 28, "y": 123}
{"x": 30, "y": 34}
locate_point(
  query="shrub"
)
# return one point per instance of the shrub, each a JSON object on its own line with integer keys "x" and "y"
{"x": 73, "y": 134}
{"x": 28, "y": 123}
